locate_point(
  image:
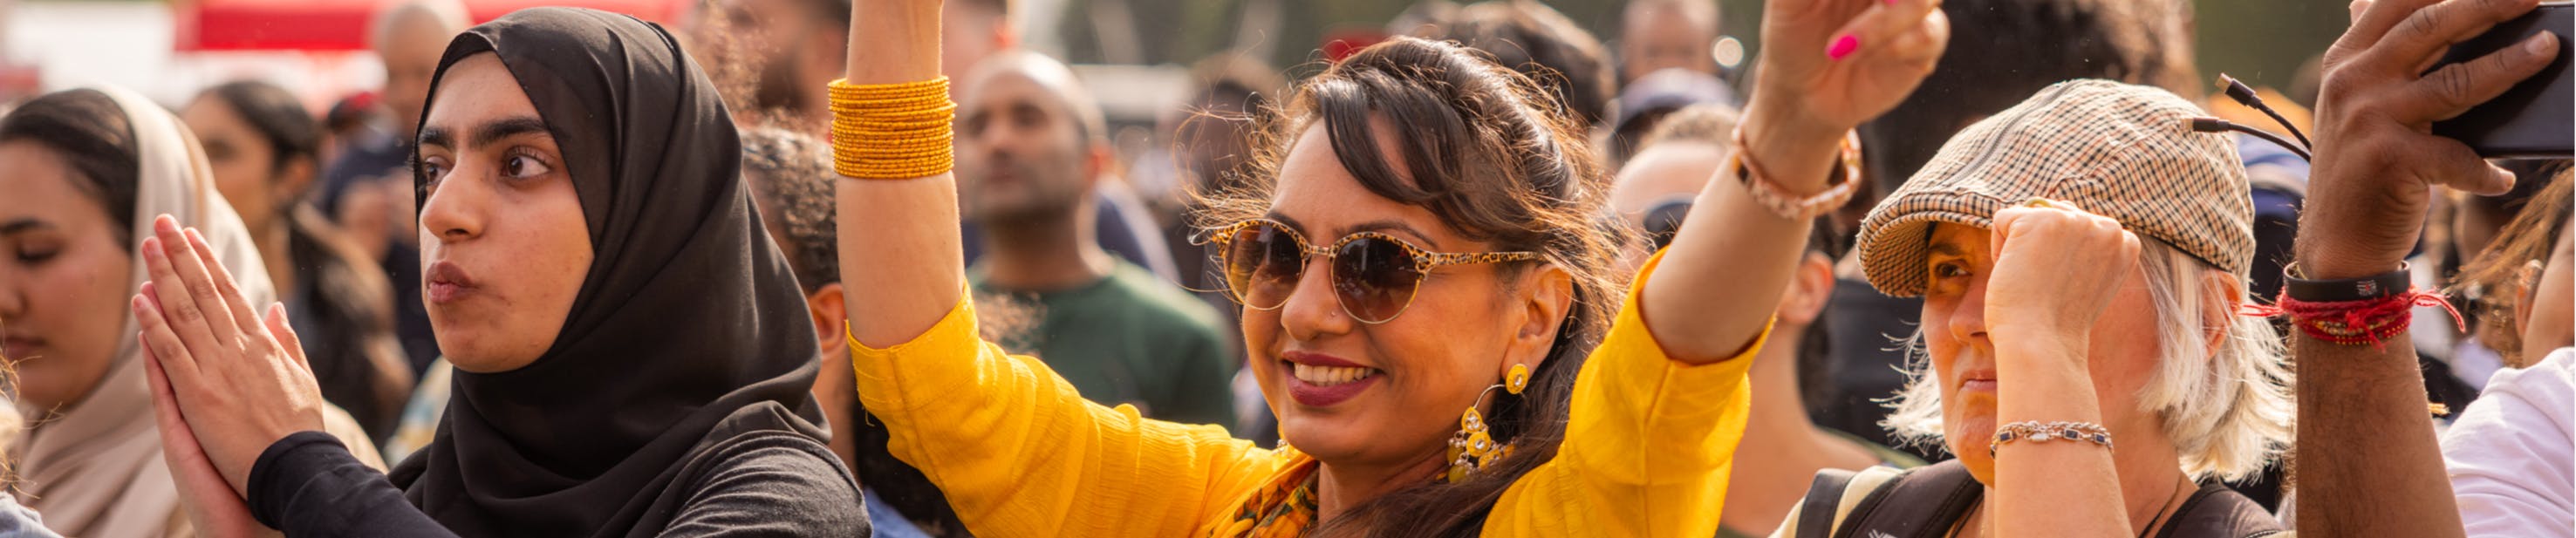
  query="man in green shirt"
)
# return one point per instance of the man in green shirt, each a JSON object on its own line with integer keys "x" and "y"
{"x": 1031, "y": 146}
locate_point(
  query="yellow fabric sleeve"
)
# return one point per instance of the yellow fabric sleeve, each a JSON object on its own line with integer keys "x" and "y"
{"x": 1647, "y": 446}
{"x": 1020, "y": 453}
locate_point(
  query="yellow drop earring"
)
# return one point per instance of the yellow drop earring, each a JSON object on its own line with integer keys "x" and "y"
{"x": 1473, "y": 448}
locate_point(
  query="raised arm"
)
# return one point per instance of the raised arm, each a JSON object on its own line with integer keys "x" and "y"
{"x": 1827, "y": 66}
{"x": 2368, "y": 460}
{"x": 899, "y": 246}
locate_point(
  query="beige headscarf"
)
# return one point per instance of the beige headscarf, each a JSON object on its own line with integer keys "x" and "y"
{"x": 94, "y": 468}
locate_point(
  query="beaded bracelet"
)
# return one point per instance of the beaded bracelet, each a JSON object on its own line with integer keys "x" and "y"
{"x": 892, "y": 131}
{"x": 1795, "y": 208}
{"x": 2367, "y": 310}
{"x": 2041, "y": 432}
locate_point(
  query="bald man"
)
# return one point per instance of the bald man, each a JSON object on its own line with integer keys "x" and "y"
{"x": 1030, "y": 150}
{"x": 1660, "y": 34}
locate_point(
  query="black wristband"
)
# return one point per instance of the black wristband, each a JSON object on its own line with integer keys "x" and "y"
{"x": 2377, "y": 286}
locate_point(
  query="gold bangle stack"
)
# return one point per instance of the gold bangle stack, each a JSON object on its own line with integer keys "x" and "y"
{"x": 892, "y": 131}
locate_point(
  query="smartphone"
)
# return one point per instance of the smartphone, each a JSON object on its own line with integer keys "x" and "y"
{"x": 2537, "y": 118}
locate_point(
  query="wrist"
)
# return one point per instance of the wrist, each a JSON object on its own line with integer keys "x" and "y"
{"x": 894, "y": 44}
{"x": 1800, "y": 151}
{"x": 2039, "y": 347}
{"x": 2332, "y": 258}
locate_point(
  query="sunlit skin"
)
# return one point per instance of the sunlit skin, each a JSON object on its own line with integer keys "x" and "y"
{"x": 1467, "y": 324}
{"x": 62, "y": 278}
{"x": 504, "y": 247}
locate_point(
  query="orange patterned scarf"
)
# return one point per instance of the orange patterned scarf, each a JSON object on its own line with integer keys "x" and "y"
{"x": 1284, "y": 508}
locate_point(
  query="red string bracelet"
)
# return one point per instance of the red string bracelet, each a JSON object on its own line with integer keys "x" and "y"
{"x": 2365, "y": 321}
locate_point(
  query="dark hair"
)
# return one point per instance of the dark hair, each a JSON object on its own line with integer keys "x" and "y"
{"x": 792, "y": 175}
{"x": 281, "y": 120}
{"x": 90, "y": 132}
{"x": 1568, "y": 62}
{"x": 1993, "y": 63}
{"x": 1485, "y": 155}
{"x": 2534, "y": 232}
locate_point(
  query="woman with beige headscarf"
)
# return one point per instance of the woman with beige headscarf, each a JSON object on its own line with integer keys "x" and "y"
{"x": 88, "y": 166}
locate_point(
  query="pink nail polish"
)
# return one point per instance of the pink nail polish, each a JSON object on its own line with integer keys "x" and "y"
{"x": 1842, "y": 47}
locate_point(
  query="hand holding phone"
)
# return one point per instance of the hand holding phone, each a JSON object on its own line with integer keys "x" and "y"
{"x": 2537, "y": 118}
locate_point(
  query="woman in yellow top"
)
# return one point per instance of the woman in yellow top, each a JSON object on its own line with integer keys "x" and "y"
{"x": 1421, "y": 245}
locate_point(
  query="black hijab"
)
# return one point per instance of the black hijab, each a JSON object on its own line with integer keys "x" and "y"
{"x": 689, "y": 333}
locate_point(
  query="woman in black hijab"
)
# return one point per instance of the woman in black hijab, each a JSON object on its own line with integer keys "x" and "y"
{"x": 645, "y": 378}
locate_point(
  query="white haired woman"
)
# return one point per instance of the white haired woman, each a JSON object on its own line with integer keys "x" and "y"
{"x": 2082, "y": 257}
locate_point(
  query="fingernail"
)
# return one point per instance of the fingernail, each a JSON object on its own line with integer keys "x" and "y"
{"x": 1842, "y": 47}
{"x": 2540, "y": 43}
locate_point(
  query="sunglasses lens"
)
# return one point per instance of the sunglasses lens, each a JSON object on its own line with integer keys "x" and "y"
{"x": 1262, "y": 263}
{"x": 1665, "y": 220}
{"x": 1374, "y": 278}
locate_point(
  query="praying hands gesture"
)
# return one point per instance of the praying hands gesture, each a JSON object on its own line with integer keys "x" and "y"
{"x": 226, "y": 382}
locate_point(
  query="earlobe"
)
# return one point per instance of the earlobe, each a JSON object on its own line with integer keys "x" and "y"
{"x": 825, "y": 306}
{"x": 2219, "y": 311}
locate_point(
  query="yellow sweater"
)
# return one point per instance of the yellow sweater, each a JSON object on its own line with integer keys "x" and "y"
{"x": 1019, "y": 453}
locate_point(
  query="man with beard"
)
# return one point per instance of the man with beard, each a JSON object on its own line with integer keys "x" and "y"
{"x": 1031, "y": 147}
{"x": 796, "y": 47}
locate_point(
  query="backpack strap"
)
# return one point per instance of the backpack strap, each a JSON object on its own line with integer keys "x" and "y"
{"x": 2218, "y": 512}
{"x": 1823, "y": 502}
{"x": 1924, "y": 502}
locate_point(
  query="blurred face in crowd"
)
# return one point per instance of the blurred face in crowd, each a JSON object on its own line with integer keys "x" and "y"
{"x": 2546, "y": 322}
{"x": 245, "y": 163}
{"x": 1387, "y": 395}
{"x": 792, "y": 40}
{"x": 1021, "y": 153}
{"x": 2122, "y": 356}
{"x": 504, "y": 247}
{"x": 1674, "y": 170}
{"x": 410, "y": 47}
{"x": 62, "y": 279}
{"x": 1659, "y": 35}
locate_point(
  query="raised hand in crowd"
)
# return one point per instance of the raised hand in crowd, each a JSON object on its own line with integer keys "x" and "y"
{"x": 2368, "y": 463}
{"x": 1828, "y": 65}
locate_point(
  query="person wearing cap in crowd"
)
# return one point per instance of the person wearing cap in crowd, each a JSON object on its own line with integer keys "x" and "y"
{"x": 1989, "y": 66}
{"x": 2051, "y": 383}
